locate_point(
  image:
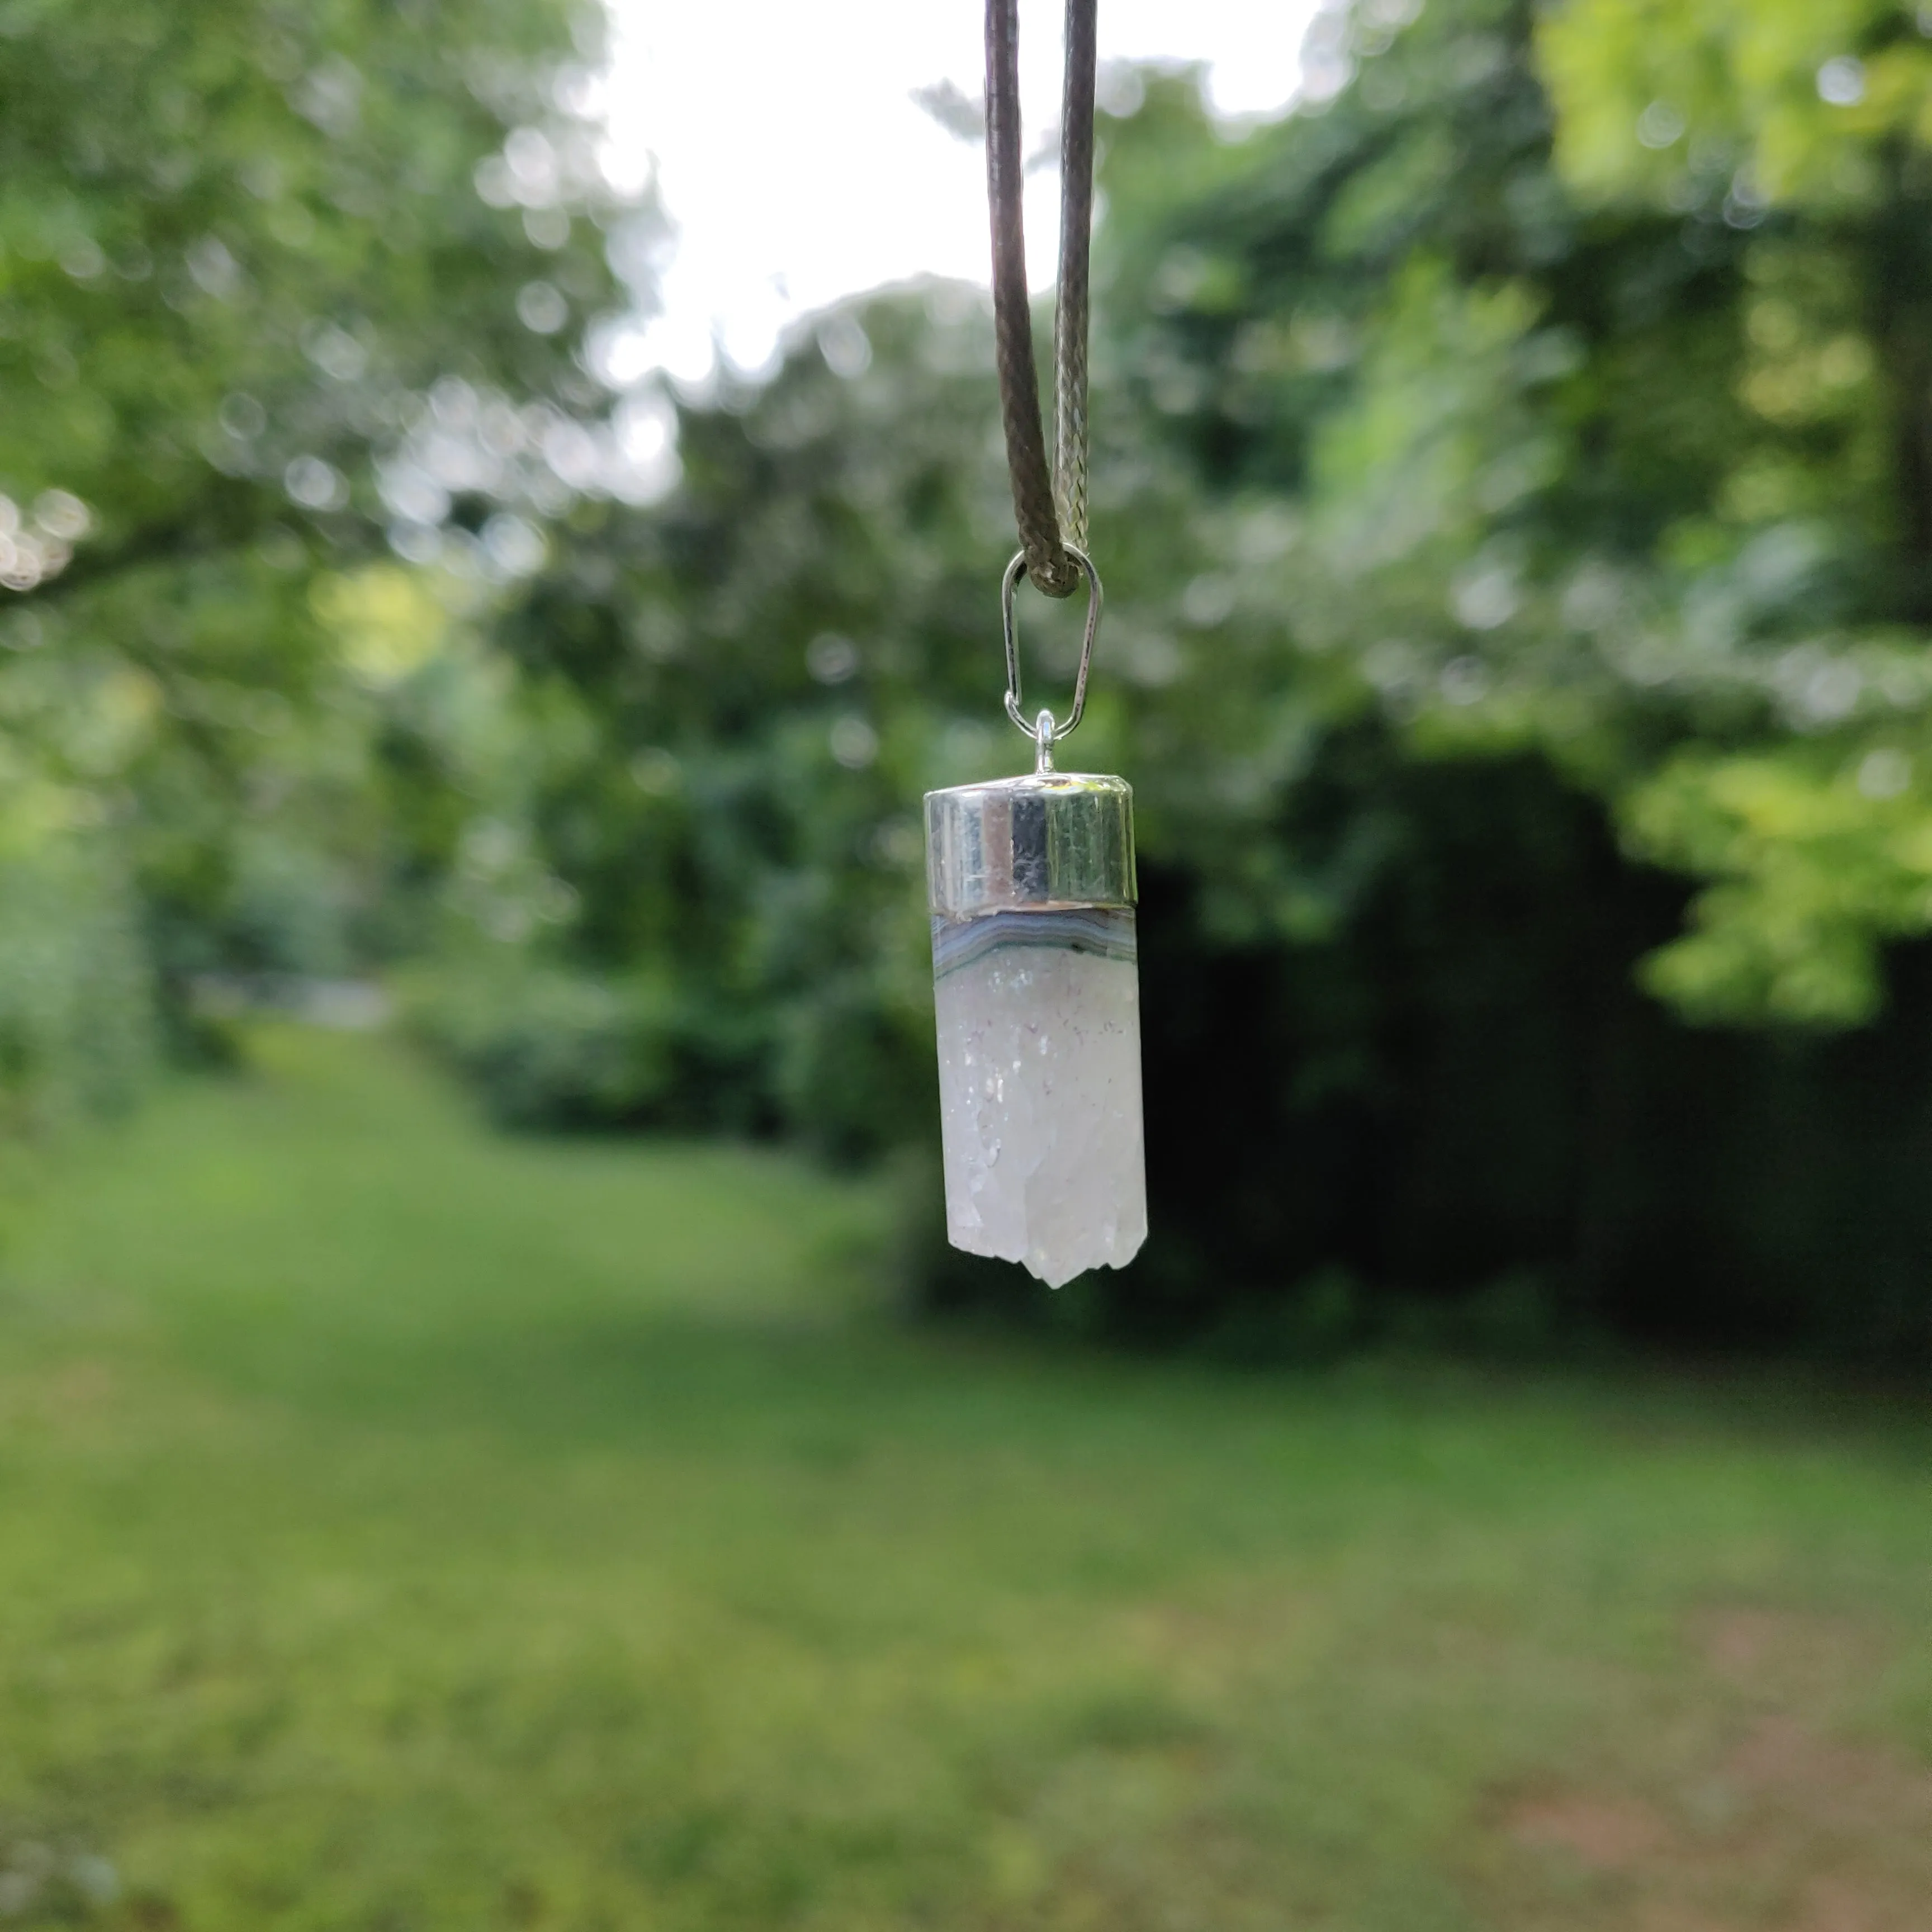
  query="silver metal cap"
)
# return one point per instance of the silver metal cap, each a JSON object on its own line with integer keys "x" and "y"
{"x": 1050, "y": 838}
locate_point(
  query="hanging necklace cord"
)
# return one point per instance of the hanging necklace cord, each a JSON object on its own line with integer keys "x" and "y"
{"x": 1051, "y": 510}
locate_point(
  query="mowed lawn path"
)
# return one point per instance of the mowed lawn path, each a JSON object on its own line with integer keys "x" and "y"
{"x": 403, "y": 1528}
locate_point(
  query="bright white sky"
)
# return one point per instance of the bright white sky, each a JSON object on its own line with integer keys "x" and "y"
{"x": 786, "y": 146}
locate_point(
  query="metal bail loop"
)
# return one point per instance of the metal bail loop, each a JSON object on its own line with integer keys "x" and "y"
{"x": 1045, "y": 731}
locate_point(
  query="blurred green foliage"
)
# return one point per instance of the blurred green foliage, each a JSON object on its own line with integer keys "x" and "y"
{"x": 1514, "y": 484}
{"x": 1608, "y": 432}
{"x": 271, "y": 279}
{"x": 76, "y": 1005}
{"x": 1483, "y": 530}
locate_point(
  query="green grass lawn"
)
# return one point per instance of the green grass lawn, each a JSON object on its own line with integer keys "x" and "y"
{"x": 403, "y": 1527}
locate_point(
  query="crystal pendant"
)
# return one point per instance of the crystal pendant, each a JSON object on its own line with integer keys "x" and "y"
{"x": 1031, "y": 882}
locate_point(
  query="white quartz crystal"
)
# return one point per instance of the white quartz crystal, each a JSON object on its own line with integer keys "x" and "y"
{"x": 1039, "y": 1087}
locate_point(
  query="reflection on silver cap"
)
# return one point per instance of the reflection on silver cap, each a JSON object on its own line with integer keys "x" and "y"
{"x": 1053, "y": 839}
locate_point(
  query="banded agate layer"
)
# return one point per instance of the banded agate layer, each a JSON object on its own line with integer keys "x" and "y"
{"x": 1040, "y": 1080}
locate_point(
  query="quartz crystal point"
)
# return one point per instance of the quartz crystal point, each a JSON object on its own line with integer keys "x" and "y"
{"x": 1031, "y": 882}
{"x": 1039, "y": 1086}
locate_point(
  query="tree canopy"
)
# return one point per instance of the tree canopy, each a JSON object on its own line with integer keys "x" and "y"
{"x": 283, "y": 293}
{"x": 1484, "y": 416}
{"x": 1512, "y": 483}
